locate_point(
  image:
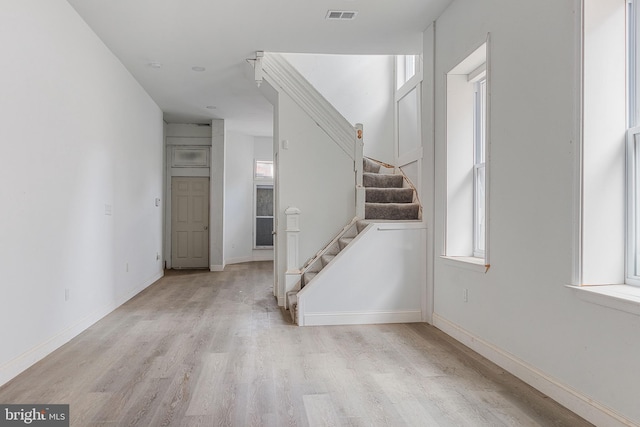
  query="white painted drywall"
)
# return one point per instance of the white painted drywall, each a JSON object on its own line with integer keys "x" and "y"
{"x": 80, "y": 138}
{"x": 263, "y": 148}
{"x": 242, "y": 151}
{"x": 361, "y": 88}
{"x": 314, "y": 175}
{"x": 364, "y": 282}
{"x": 217, "y": 201}
{"x": 520, "y": 308}
{"x": 239, "y": 198}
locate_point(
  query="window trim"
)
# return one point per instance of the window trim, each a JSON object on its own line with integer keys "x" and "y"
{"x": 475, "y": 66}
{"x": 632, "y": 149}
{"x": 479, "y": 163}
{"x": 257, "y": 184}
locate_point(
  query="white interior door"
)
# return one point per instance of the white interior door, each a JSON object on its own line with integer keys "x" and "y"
{"x": 189, "y": 222}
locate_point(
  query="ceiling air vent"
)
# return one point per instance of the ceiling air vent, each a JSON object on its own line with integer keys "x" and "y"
{"x": 342, "y": 15}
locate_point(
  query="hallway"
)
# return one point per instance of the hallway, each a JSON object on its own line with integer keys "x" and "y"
{"x": 201, "y": 348}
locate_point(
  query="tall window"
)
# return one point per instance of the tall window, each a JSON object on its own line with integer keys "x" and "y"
{"x": 466, "y": 159}
{"x": 479, "y": 167}
{"x": 406, "y": 67}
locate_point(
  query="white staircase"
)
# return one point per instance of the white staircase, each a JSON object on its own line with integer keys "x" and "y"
{"x": 369, "y": 272}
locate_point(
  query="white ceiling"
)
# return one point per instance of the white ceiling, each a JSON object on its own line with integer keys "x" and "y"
{"x": 221, "y": 34}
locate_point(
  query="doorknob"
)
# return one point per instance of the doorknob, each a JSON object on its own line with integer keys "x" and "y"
{"x": 273, "y": 233}
{"x": 206, "y": 227}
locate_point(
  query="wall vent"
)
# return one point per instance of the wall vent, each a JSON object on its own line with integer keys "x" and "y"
{"x": 342, "y": 15}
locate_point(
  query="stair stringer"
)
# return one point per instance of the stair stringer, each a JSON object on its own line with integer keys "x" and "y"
{"x": 380, "y": 277}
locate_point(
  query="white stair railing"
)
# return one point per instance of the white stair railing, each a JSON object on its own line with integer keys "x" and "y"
{"x": 277, "y": 70}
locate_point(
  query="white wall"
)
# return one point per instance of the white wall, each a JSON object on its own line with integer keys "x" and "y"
{"x": 361, "y": 88}
{"x": 242, "y": 151}
{"x": 239, "y": 198}
{"x": 316, "y": 176}
{"x": 520, "y": 313}
{"x": 79, "y": 137}
{"x": 218, "y": 197}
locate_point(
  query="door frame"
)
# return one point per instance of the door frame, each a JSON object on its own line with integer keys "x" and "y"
{"x": 174, "y": 169}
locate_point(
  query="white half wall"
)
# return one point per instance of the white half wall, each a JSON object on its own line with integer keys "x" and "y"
{"x": 378, "y": 278}
{"x": 520, "y": 311}
{"x": 361, "y": 88}
{"x": 83, "y": 164}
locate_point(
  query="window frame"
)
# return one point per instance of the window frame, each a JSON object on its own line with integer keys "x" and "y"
{"x": 463, "y": 240}
{"x": 479, "y": 166}
{"x": 632, "y": 149}
{"x": 258, "y": 185}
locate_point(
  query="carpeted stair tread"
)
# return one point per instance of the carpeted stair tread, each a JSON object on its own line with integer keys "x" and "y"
{"x": 370, "y": 166}
{"x": 361, "y": 225}
{"x": 344, "y": 242}
{"x": 389, "y": 195}
{"x": 395, "y": 211}
{"x": 308, "y": 276}
{"x": 326, "y": 259}
{"x": 292, "y": 303}
{"x": 379, "y": 180}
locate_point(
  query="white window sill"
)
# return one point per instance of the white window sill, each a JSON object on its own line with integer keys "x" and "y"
{"x": 619, "y": 297}
{"x": 466, "y": 262}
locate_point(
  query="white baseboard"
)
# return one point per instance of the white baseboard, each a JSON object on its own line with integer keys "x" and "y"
{"x": 575, "y": 401}
{"x": 259, "y": 256}
{"x": 362, "y": 318}
{"x": 238, "y": 260}
{"x": 262, "y": 255}
{"x": 216, "y": 267}
{"x": 14, "y": 367}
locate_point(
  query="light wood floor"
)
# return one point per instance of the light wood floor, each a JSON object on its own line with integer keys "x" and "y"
{"x": 213, "y": 349}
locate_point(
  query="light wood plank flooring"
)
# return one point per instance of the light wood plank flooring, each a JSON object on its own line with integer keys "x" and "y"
{"x": 213, "y": 349}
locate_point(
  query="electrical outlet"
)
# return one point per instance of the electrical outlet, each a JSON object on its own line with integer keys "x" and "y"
{"x": 465, "y": 295}
{"x": 157, "y": 256}
{"x": 127, "y": 267}
{"x": 66, "y": 294}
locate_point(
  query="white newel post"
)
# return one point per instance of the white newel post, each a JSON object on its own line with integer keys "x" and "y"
{"x": 292, "y": 275}
{"x": 357, "y": 158}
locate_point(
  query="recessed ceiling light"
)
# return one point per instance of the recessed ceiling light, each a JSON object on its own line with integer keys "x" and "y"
{"x": 211, "y": 107}
{"x": 341, "y": 15}
{"x": 155, "y": 65}
{"x": 198, "y": 69}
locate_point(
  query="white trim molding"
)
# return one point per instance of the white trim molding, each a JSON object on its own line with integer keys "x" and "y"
{"x": 213, "y": 267}
{"x": 577, "y": 402}
{"x": 362, "y": 318}
{"x": 618, "y": 297}
{"x": 280, "y": 73}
